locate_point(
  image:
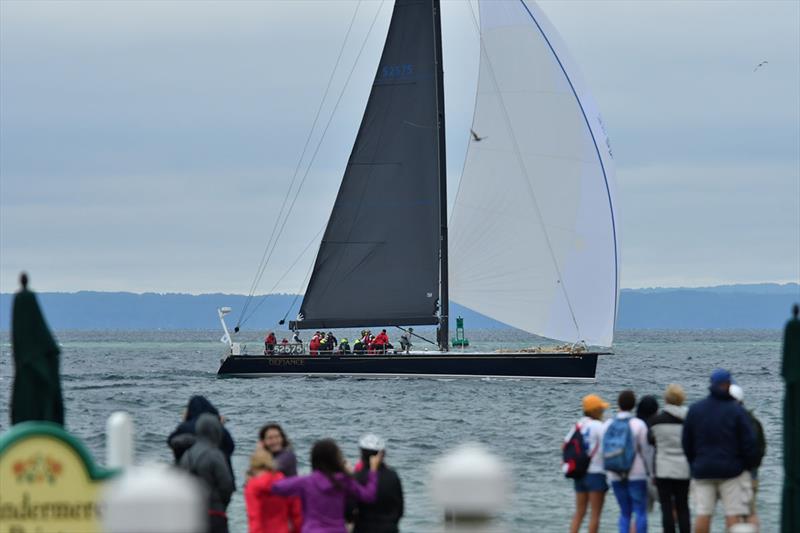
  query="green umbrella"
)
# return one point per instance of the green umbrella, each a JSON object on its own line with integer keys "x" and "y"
{"x": 37, "y": 385}
{"x": 790, "y": 517}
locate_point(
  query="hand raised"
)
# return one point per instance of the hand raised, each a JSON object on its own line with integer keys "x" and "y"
{"x": 375, "y": 461}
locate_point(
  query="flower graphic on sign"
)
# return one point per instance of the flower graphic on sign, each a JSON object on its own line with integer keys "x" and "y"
{"x": 37, "y": 469}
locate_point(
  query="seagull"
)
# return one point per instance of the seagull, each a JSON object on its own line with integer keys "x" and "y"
{"x": 760, "y": 65}
{"x": 475, "y": 136}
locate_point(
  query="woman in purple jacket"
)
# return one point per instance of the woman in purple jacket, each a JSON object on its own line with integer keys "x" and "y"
{"x": 325, "y": 490}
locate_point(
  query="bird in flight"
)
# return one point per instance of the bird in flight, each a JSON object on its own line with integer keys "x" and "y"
{"x": 475, "y": 136}
{"x": 760, "y": 65}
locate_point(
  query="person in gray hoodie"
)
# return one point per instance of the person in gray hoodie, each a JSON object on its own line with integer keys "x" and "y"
{"x": 671, "y": 466}
{"x": 206, "y": 461}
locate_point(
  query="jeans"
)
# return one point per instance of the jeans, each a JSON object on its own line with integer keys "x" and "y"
{"x": 674, "y": 492}
{"x": 632, "y": 499}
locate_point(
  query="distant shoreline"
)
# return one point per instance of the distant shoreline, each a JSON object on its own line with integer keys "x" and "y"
{"x": 764, "y": 306}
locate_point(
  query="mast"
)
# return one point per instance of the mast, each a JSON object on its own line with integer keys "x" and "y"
{"x": 444, "y": 297}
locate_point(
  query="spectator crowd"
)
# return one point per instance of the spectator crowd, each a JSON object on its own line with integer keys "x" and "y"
{"x": 710, "y": 451}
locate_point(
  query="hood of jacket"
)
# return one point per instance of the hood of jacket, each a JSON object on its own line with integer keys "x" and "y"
{"x": 208, "y": 427}
{"x": 678, "y": 411}
{"x": 199, "y": 405}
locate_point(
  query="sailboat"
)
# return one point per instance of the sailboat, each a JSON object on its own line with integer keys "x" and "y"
{"x": 531, "y": 242}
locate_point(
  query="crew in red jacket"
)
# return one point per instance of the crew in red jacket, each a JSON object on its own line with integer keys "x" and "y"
{"x": 380, "y": 342}
{"x": 314, "y": 344}
{"x": 269, "y": 343}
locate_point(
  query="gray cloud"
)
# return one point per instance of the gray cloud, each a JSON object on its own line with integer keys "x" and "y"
{"x": 146, "y": 145}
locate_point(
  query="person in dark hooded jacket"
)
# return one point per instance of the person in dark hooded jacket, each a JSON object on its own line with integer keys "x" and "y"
{"x": 206, "y": 461}
{"x": 184, "y": 437}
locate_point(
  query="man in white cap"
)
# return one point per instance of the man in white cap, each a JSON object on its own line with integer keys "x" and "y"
{"x": 384, "y": 514}
{"x": 737, "y": 393}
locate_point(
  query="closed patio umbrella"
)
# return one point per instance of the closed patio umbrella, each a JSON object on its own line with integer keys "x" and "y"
{"x": 790, "y": 516}
{"x": 36, "y": 393}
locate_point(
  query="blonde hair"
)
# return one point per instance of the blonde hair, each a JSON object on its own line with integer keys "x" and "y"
{"x": 260, "y": 461}
{"x": 674, "y": 394}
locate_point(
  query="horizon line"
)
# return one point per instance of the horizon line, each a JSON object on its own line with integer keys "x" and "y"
{"x": 643, "y": 288}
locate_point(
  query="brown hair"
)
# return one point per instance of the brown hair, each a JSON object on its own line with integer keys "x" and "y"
{"x": 262, "y": 433}
{"x": 626, "y": 400}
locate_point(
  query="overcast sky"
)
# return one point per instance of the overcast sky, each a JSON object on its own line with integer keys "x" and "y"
{"x": 146, "y": 146}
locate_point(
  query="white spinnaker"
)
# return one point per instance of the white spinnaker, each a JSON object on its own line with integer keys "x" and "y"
{"x": 532, "y": 233}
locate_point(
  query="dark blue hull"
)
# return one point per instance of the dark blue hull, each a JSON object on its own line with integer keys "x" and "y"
{"x": 521, "y": 365}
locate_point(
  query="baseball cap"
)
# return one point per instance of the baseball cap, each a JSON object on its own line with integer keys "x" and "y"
{"x": 372, "y": 442}
{"x": 720, "y": 376}
{"x": 736, "y": 392}
{"x": 592, "y": 402}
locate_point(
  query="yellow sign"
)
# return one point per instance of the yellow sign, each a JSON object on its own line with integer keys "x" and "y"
{"x": 48, "y": 481}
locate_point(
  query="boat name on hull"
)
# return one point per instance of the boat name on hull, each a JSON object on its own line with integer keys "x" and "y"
{"x": 289, "y": 361}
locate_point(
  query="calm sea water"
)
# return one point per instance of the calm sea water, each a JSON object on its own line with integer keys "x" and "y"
{"x": 152, "y": 374}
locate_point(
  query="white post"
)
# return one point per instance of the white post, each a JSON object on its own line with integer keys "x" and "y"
{"x": 471, "y": 485}
{"x": 154, "y": 499}
{"x": 119, "y": 440}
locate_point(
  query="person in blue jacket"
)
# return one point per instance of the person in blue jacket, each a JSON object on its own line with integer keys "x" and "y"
{"x": 720, "y": 446}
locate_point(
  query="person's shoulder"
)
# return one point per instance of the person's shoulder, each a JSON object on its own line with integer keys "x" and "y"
{"x": 752, "y": 416}
{"x": 595, "y": 425}
{"x": 638, "y": 424}
{"x": 215, "y": 454}
{"x": 699, "y": 405}
{"x": 389, "y": 472}
{"x": 663, "y": 417}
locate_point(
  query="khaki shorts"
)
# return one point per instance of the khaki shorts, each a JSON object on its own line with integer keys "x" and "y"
{"x": 753, "y": 500}
{"x": 736, "y": 495}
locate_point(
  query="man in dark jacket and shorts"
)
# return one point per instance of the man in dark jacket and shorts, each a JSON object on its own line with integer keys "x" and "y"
{"x": 719, "y": 443}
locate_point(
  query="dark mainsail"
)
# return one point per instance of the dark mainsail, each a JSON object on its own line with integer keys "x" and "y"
{"x": 378, "y": 263}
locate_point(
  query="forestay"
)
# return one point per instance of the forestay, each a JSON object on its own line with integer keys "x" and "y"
{"x": 532, "y": 235}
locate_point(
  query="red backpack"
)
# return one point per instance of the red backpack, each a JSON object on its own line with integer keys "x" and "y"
{"x": 575, "y": 456}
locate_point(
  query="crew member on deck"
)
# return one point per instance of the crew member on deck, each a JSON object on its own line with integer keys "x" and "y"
{"x": 405, "y": 340}
{"x": 269, "y": 343}
{"x": 344, "y": 346}
{"x": 381, "y": 342}
{"x": 315, "y": 344}
{"x": 359, "y": 347}
{"x": 331, "y": 341}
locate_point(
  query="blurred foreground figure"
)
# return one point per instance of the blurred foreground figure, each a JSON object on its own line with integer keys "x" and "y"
{"x": 36, "y": 393}
{"x": 384, "y": 514}
{"x": 790, "y": 517}
{"x": 207, "y": 462}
